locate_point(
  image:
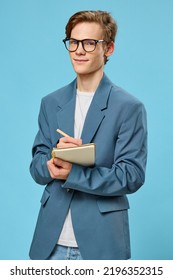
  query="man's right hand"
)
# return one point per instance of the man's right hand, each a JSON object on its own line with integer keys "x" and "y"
{"x": 60, "y": 169}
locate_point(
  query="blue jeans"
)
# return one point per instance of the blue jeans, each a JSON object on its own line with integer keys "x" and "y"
{"x": 65, "y": 253}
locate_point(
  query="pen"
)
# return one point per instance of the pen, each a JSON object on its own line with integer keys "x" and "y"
{"x": 62, "y": 133}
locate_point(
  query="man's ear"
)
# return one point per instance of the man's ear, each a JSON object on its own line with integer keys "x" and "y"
{"x": 110, "y": 49}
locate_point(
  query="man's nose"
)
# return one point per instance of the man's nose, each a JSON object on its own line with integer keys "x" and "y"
{"x": 80, "y": 48}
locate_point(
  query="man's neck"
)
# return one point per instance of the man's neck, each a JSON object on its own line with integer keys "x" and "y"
{"x": 89, "y": 82}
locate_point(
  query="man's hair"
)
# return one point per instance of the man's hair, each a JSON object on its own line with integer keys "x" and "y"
{"x": 103, "y": 18}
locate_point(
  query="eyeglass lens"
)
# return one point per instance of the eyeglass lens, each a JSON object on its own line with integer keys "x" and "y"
{"x": 87, "y": 44}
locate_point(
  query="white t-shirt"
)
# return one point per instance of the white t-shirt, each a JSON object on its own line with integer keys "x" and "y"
{"x": 83, "y": 101}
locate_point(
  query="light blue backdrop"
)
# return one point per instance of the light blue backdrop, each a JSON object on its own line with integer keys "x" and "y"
{"x": 34, "y": 62}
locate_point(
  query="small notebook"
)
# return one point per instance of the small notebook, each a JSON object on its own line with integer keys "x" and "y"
{"x": 82, "y": 155}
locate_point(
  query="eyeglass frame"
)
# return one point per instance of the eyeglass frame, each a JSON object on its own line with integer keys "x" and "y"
{"x": 82, "y": 42}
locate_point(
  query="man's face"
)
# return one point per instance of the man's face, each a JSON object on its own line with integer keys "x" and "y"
{"x": 82, "y": 61}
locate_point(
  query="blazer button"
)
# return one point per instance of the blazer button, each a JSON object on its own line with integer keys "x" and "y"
{"x": 68, "y": 190}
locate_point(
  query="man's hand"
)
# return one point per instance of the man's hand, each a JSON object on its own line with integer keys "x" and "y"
{"x": 67, "y": 142}
{"x": 58, "y": 168}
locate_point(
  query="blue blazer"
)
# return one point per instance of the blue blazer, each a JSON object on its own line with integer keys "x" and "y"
{"x": 116, "y": 123}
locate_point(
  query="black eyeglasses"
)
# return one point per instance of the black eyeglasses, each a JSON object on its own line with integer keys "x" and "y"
{"x": 89, "y": 45}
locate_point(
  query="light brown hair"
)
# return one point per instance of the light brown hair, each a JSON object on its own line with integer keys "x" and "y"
{"x": 103, "y": 18}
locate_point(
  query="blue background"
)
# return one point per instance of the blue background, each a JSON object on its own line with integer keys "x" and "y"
{"x": 34, "y": 62}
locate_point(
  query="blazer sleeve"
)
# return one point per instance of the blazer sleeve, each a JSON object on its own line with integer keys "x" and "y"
{"x": 41, "y": 151}
{"x": 127, "y": 173}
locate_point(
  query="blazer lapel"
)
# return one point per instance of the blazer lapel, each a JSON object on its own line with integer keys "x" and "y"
{"x": 66, "y": 109}
{"x": 96, "y": 112}
{"x": 93, "y": 119}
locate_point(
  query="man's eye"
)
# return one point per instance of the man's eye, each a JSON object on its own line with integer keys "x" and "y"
{"x": 73, "y": 42}
{"x": 89, "y": 42}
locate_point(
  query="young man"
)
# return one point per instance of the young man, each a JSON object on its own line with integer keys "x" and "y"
{"x": 83, "y": 211}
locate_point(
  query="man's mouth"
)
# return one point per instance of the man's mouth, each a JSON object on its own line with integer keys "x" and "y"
{"x": 80, "y": 61}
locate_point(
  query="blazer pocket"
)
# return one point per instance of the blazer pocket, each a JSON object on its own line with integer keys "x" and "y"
{"x": 45, "y": 197}
{"x": 110, "y": 204}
